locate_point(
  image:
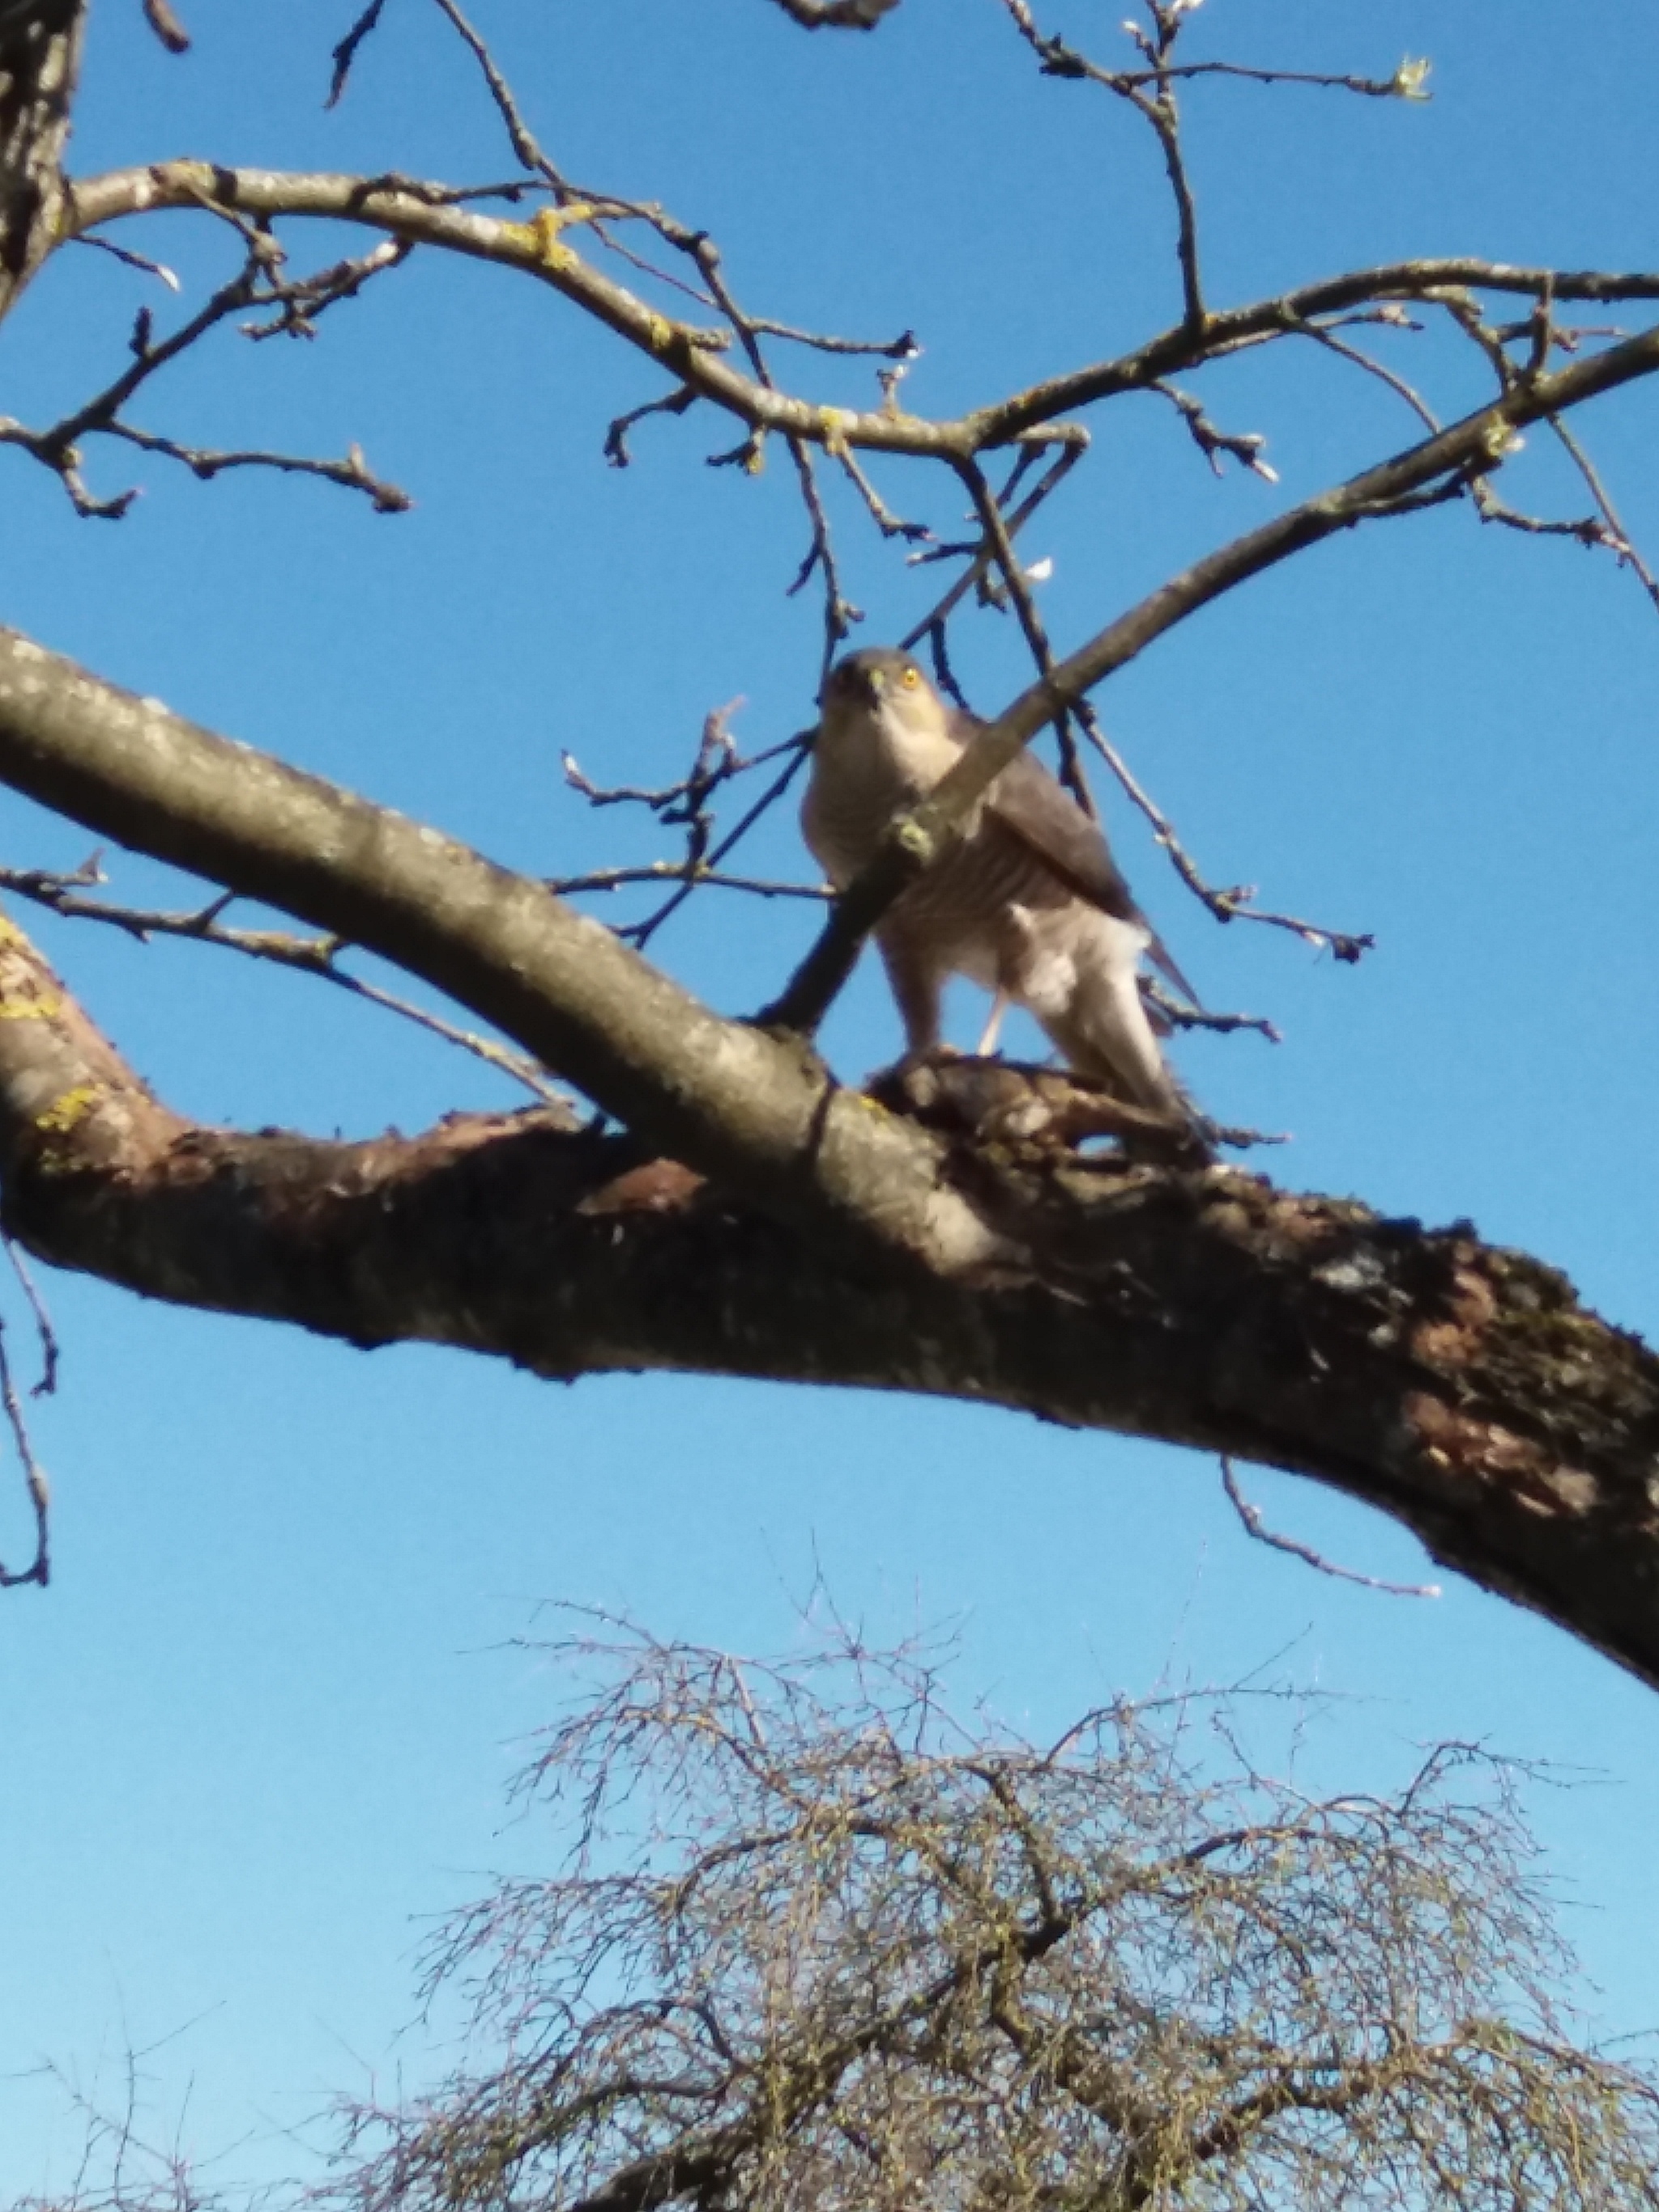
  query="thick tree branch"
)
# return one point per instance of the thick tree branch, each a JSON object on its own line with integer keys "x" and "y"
{"x": 762, "y": 1115}
{"x": 1461, "y": 1388}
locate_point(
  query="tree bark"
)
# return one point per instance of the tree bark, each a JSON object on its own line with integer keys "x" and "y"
{"x": 39, "y": 62}
{"x": 757, "y": 1219}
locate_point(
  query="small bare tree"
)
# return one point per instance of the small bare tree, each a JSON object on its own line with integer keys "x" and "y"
{"x": 819, "y": 1943}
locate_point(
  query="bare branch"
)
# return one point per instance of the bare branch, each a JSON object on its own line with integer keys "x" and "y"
{"x": 159, "y": 15}
{"x": 1212, "y": 443}
{"x": 1236, "y": 904}
{"x": 720, "y": 1096}
{"x": 353, "y": 473}
{"x": 1463, "y": 1390}
{"x": 313, "y": 956}
{"x": 616, "y": 438}
{"x": 124, "y": 254}
{"x": 1016, "y": 585}
{"x": 49, "y": 1349}
{"x": 429, "y": 214}
{"x": 58, "y": 447}
{"x": 688, "y": 804}
{"x": 680, "y": 871}
{"x": 1614, "y": 536}
{"x": 1426, "y": 474}
{"x": 1250, "y": 1516}
{"x": 39, "y": 1569}
{"x": 1183, "y": 1017}
{"x": 346, "y": 52}
{"x": 979, "y": 554}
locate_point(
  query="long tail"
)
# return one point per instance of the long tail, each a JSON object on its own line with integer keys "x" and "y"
{"x": 1105, "y": 1030}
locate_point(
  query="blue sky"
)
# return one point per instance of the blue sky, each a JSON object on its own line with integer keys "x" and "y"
{"x": 258, "y": 1727}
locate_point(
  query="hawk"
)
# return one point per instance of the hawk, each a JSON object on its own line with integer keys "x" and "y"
{"x": 1028, "y": 902}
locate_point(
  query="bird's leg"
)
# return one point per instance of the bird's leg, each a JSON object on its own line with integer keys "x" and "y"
{"x": 917, "y": 986}
{"x": 992, "y": 1030}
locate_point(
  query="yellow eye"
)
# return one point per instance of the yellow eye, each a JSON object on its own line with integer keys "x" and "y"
{"x": 911, "y": 678}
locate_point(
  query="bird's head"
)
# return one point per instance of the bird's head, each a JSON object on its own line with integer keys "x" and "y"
{"x": 882, "y": 685}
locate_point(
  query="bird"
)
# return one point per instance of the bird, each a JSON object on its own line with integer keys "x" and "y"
{"x": 1028, "y": 902}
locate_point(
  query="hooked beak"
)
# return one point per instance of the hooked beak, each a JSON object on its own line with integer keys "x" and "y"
{"x": 860, "y": 685}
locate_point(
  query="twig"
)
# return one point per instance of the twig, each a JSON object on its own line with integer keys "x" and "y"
{"x": 346, "y": 52}
{"x": 157, "y": 269}
{"x": 44, "y": 1329}
{"x": 686, "y": 803}
{"x": 717, "y": 761}
{"x": 39, "y": 1568}
{"x": 1321, "y": 335}
{"x": 1236, "y": 904}
{"x": 1244, "y": 447}
{"x": 1255, "y": 1526}
{"x": 616, "y": 438}
{"x": 353, "y": 472}
{"x": 673, "y": 872}
{"x": 167, "y": 26}
{"x": 1616, "y": 537}
{"x": 933, "y": 622}
{"x": 518, "y": 131}
{"x": 906, "y": 347}
{"x": 641, "y": 933}
{"x": 58, "y": 447}
{"x": 302, "y": 300}
{"x": 840, "y": 614}
{"x": 1185, "y": 1017}
{"x": 1150, "y": 92}
{"x": 1019, "y": 589}
{"x": 888, "y": 524}
{"x": 318, "y": 956}
{"x": 1405, "y": 83}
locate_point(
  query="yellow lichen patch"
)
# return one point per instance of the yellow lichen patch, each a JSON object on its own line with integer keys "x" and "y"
{"x": 44, "y": 1008}
{"x": 660, "y": 333}
{"x": 541, "y": 233}
{"x": 834, "y": 423}
{"x": 71, "y": 1107}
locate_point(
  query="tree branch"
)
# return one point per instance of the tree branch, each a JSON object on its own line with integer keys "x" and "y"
{"x": 424, "y": 214}
{"x": 1460, "y": 1388}
{"x": 1424, "y": 475}
{"x": 729, "y": 1101}
{"x": 39, "y": 63}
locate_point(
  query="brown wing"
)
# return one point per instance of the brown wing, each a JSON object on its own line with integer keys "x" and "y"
{"x": 1043, "y": 815}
